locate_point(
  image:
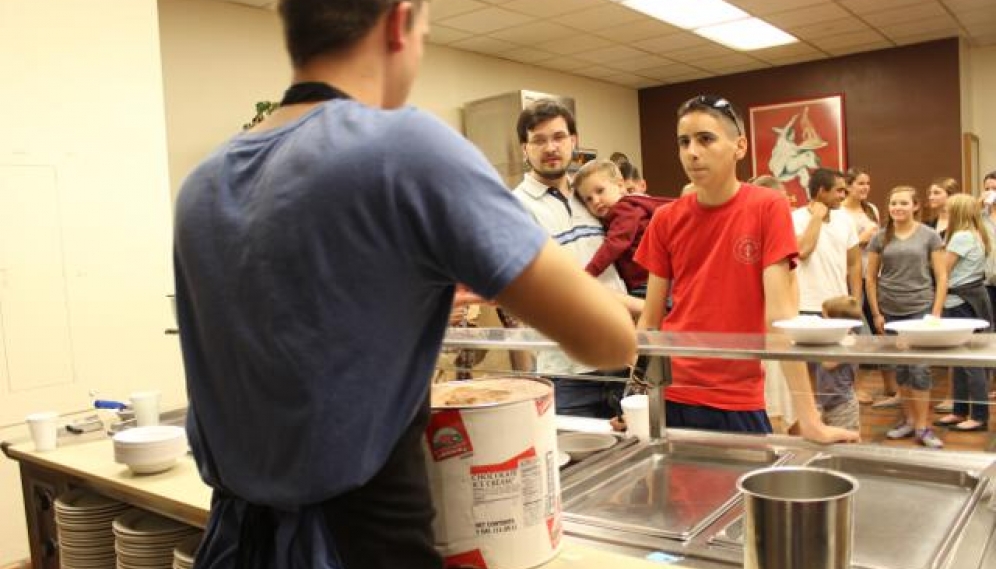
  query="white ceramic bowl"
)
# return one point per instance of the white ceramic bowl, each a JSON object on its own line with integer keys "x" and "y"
{"x": 936, "y": 332}
{"x": 815, "y": 330}
{"x": 582, "y": 445}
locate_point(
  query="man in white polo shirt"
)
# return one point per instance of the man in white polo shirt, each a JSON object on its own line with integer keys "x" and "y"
{"x": 548, "y": 135}
{"x": 829, "y": 255}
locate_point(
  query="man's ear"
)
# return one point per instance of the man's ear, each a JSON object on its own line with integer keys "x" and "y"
{"x": 399, "y": 21}
{"x": 741, "y": 147}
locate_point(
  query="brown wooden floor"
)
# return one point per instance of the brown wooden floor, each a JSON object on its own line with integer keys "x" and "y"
{"x": 875, "y": 422}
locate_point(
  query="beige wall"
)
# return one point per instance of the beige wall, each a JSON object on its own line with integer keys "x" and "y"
{"x": 219, "y": 59}
{"x": 981, "y": 97}
{"x": 83, "y": 165}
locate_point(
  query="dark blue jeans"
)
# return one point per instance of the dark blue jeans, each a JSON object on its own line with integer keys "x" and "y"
{"x": 712, "y": 419}
{"x": 969, "y": 385}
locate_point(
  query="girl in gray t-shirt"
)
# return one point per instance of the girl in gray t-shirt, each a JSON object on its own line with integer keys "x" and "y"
{"x": 901, "y": 260}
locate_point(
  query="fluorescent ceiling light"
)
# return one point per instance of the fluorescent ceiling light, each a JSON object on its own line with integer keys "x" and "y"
{"x": 688, "y": 14}
{"x": 745, "y": 35}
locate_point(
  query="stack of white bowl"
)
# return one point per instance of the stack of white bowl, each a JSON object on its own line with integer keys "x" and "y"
{"x": 83, "y": 525}
{"x": 186, "y": 552}
{"x": 147, "y": 450}
{"x": 146, "y": 541}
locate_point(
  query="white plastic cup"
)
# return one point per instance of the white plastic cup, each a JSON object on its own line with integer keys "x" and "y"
{"x": 145, "y": 405}
{"x": 636, "y": 411}
{"x": 44, "y": 429}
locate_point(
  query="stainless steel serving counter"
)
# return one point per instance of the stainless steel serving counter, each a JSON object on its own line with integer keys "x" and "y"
{"x": 676, "y": 495}
{"x": 915, "y": 509}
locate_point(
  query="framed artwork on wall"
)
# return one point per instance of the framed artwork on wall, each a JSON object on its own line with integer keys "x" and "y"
{"x": 791, "y": 139}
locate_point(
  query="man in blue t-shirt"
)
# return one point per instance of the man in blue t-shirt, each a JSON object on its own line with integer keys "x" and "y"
{"x": 316, "y": 258}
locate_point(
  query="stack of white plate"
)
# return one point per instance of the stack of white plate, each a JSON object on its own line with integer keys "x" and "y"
{"x": 83, "y": 525}
{"x": 186, "y": 551}
{"x": 150, "y": 449}
{"x": 146, "y": 541}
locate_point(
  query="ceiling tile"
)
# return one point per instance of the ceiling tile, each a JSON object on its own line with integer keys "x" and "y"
{"x": 919, "y": 37}
{"x": 565, "y": 63}
{"x": 741, "y": 67}
{"x": 809, "y": 15}
{"x": 594, "y": 19}
{"x": 528, "y": 55}
{"x": 870, "y": 6}
{"x": 489, "y": 19}
{"x": 958, "y": 5}
{"x": 441, "y": 9}
{"x": 974, "y": 19}
{"x": 441, "y": 35}
{"x": 906, "y": 14}
{"x": 725, "y": 62}
{"x": 667, "y": 43}
{"x": 829, "y": 28}
{"x": 668, "y": 72}
{"x": 610, "y": 53}
{"x": 926, "y": 26}
{"x": 859, "y": 48}
{"x": 635, "y": 31}
{"x": 484, "y": 44}
{"x": 628, "y": 80}
{"x": 534, "y": 33}
{"x": 765, "y": 7}
{"x": 644, "y": 61}
{"x": 861, "y": 37}
{"x": 797, "y": 48}
{"x": 701, "y": 52}
{"x": 550, "y": 8}
{"x": 568, "y": 46}
{"x": 692, "y": 76}
{"x": 596, "y": 71}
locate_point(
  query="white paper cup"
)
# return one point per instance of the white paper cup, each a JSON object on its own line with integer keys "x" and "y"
{"x": 636, "y": 411}
{"x": 145, "y": 404}
{"x": 44, "y": 429}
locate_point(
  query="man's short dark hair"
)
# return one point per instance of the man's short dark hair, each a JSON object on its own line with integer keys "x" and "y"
{"x": 540, "y": 112}
{"x": 823, "y": 179}
{"x": 315, "y": 27}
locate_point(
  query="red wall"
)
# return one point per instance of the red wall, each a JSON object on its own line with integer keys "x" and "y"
{"x": 901, "y": 108}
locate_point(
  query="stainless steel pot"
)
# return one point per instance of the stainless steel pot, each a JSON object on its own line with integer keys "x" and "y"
{"x": 798, "y": 518}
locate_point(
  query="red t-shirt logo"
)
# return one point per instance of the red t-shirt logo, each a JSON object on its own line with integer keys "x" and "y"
{"x": 747, "y": 250}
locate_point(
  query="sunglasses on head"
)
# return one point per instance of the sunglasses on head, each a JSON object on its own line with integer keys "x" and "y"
{"x": 716, "y": 103}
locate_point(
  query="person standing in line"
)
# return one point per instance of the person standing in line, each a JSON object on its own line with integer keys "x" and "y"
{"x": 725, "y": 252}
{"x": 316, "y": 257}
{"x": 548, "y": 136}
{"x": 866, "y": 220}
{"x": 967, "y": 245}
{"x": 829, "y": 255}
{"x": 902, "y": 258}
{"x": 938, "y": 193}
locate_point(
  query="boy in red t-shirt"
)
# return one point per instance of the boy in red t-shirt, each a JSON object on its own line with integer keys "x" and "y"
{"x": 625, "y": 216}
{"x": 726, "y": 251}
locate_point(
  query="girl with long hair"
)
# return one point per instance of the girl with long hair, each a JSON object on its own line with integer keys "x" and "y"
{"x": 866, "y": 220}
{"x": 967, "y": 244}
{"x": 937, "y": 198}
{"x": 901, "y": 259}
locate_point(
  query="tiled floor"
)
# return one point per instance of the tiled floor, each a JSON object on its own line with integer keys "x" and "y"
{"x": 875, "y": 422}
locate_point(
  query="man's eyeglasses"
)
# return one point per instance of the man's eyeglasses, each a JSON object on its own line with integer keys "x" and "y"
{"x": 716, "y": 103}
{"x": 558, "y": 139}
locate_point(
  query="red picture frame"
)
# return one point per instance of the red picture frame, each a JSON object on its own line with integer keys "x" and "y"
{"x": 791, "y": 139}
